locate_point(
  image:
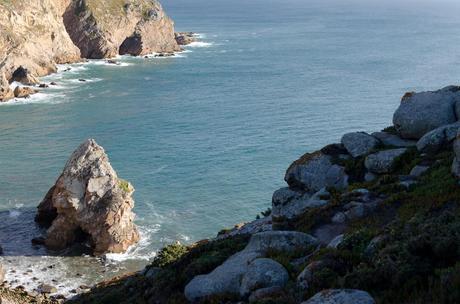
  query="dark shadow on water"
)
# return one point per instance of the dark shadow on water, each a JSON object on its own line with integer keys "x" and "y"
{"x": 18, "y": 228}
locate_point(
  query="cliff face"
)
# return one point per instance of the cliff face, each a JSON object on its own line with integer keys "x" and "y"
{"x": 37, "y": 35}
{"x": 107, "y": 28}
{"x": 33, "y": 35}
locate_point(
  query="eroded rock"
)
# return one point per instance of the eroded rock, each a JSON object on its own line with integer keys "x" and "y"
{"x": 419, "y": 113}
{"x": 89, "y": 200}
{"x": 314, "y": 171}
{"x": 383, "y": 161}
{"x": 341, "y": 296}
{"x": 438, "y": 138}
{"x": 263, "y": 273}
{"x": 359, "y": 143}
{"x": 227, "y": 278}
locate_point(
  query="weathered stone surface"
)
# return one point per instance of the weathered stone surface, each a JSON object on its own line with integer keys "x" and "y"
{"x": 102, "y": 30}
{"x": 382, "y": 162}
{"x": 2, "y": 274}
{"x": 5, "y": 91}
{"x": 456, "y": 163}
{"x": 288, "y": 204}
{"x": 45, "y": 288}
{"x": 438, "y": 138}
{"x": 24, "y": 92}
{"x": 359, "y": 143}
{"x": 418, "y": 170}
{"x": 341, "y": 296}
{"x": 305, "y": 277}
{"x": 393, "y": 140}
{"x": 184, "y": 38}
{"x": 265, "y": 293}
{"x": 314, "y": 171}
{"x": 422, "y": 112}
{"x": 263, "y": 273}
{"x": 256, "y": 226}
{"x": 89, "y": 200}
{"x": 33, "y": 38}
{"x": 335, "y": 241}
{"x": 227, "y": 278}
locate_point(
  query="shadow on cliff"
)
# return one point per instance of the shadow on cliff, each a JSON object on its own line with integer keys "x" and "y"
{"x": 18, "y": 228}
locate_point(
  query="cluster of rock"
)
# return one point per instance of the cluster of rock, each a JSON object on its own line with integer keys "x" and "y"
{"x": 185, "y": 38}
{"x": 35, "y": 36}
{"x": 89, "y": 203}
{"x": 427, "y": 122}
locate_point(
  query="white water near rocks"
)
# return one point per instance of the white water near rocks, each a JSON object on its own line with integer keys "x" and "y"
{"x": 205, "y": 136}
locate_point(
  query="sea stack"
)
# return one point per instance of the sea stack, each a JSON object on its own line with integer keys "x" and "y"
{"x": 89, "y": 202}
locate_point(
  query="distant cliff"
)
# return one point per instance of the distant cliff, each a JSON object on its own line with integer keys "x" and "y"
{"x": 35, "y": 36}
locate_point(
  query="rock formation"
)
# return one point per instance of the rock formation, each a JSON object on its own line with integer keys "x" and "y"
{"x": 185, "y": 38}
{"x": 104, "y": 29}
{"x": 89, "y": 202}
{"x": 35, "y": 36}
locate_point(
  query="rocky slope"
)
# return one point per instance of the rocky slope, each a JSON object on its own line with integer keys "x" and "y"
{"x": 37, "y": 35}
{"x": 372, "y": 219}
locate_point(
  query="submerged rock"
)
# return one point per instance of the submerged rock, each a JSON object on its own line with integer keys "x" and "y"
{"x": 359, "y": 143}
{"x": 341, "y": 296}
{"x": 89, "y": 201}
{"x": 419, "y": 113}
{"x": 383, "y": 161}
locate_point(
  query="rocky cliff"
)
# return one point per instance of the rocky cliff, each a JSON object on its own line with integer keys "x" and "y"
{"x": 37, "y": 35}
{"x": 374, "y": 218}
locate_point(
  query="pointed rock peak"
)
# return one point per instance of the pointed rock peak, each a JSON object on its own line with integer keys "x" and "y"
{"x": 89, "y": 199}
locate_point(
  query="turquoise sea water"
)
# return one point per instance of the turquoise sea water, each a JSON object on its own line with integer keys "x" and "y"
{"x": 205, "y": 136}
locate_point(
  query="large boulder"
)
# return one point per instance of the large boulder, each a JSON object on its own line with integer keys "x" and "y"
{"x": 393, "y": 140}
{"x": 422, "y": 112}
{"x": 383, "y": 161}
{"x": 359, "y": 143}
{"x": 314, "y": 171}
{"x": 184, "y": 38}
{"x": 456, "y": 162}
{"x": 438, "y": 138}
{"x": 227, "y": 278}
{"x": 103, "y": 29}
{"x": 24, "y": 92}
{"x": 263, "y": 273}
{"x": 288, "y": 204}
{"x": 89, "y": 202}
{"x": 341, "y": 296}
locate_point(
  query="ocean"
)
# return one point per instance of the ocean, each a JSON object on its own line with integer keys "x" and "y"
{"x": 205, "y": 136}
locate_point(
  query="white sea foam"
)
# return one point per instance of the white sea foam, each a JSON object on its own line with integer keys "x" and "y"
{"x": 139, "y": 251}
{"x": 200, "y": 44}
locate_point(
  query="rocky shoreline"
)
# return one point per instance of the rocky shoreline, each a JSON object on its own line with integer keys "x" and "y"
{"x": 332, "y": 234}
{"x": 372, "y": 219}
{"x": 35, "y": 38}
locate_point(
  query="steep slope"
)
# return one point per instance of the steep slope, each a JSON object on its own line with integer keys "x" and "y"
{"x": 32, "y": 35}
